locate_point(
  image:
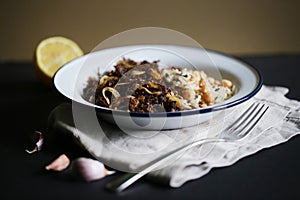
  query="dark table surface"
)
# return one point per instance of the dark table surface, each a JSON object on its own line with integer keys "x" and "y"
{"x": 273, "y": 173}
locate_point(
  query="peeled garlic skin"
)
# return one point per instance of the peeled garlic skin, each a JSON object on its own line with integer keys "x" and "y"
{"x": 59, "y": 164}
{"x": 87, "y": 169}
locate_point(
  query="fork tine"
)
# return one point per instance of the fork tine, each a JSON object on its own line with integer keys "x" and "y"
{"x": 240, "y": 120}
{"x": 249, "y": 118}
{"x": 254, "y": 121}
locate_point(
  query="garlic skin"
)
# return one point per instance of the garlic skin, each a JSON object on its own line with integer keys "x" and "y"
{"x": 38, "y": 139}
{"x": 59, "y": 164}
{"x": 87, "y": 169}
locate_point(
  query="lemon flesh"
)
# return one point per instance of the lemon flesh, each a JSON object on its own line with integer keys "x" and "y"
{"x": 52, "y": 53}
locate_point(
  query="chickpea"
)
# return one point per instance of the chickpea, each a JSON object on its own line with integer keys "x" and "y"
{"x": 227, "y": 83}
{"x": 188, "y": 94}
{"x": 195, "y": 76}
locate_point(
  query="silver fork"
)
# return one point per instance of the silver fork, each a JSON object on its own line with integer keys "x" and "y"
{"x": 236, "y": 131}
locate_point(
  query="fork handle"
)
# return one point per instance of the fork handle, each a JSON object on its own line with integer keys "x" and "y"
{"x": 128, "y": 179}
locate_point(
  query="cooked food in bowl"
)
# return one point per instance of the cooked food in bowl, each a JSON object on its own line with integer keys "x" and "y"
{"x": 72, "y": 82}
{"x": 143, "y": 87}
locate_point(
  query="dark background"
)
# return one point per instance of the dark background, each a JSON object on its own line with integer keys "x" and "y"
{"x": 26, "y": 103}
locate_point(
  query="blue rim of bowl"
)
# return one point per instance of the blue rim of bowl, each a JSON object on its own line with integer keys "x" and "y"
{"x": 184, "y": 112}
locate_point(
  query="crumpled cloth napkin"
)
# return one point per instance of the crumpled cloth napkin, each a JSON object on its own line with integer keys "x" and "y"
{"x": 127, "y": 151}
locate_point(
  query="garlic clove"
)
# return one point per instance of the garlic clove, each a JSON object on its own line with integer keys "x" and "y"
{"x": 87, "y": 169}
{"x": 59, "y": 164}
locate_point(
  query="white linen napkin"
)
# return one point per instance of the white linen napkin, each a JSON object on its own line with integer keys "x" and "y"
{"x": 127, "y": 151}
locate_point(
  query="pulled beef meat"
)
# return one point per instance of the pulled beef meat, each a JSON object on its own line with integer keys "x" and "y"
{"x": 151, "y": 97}
{"x": 138, "y": 86}
{"x": 89, "y": 90}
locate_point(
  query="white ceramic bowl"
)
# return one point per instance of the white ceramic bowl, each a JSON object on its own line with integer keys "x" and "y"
{"x": 72, "y": 77}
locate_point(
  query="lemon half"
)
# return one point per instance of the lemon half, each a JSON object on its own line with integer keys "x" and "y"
{"x": 52, "y": 53}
